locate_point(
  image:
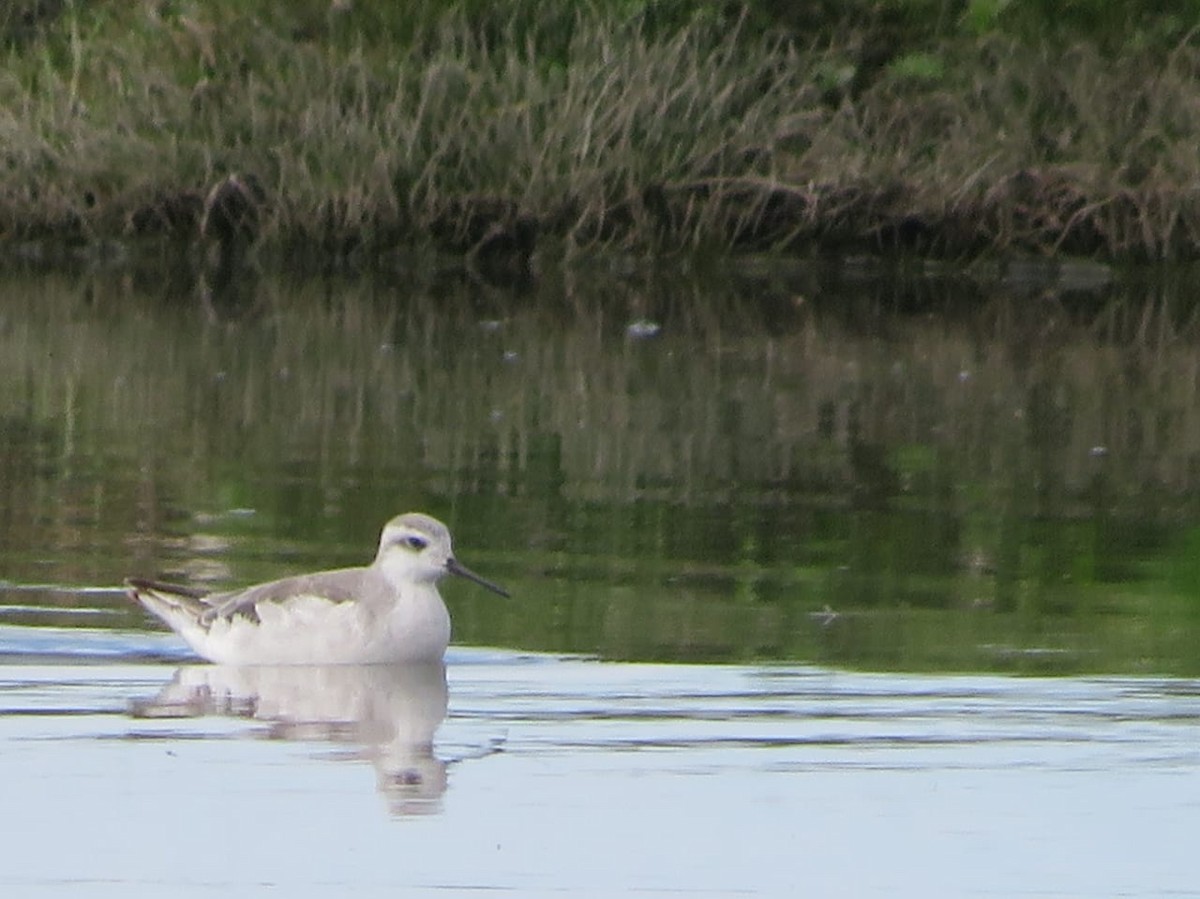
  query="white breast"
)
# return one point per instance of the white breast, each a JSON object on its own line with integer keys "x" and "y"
{"x": 312, "y": 630}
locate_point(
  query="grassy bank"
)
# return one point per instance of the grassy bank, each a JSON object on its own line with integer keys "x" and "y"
{"x": 494, "y": 131}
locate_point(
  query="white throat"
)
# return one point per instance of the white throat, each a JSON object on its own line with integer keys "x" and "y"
{"x": 405, "y": 574}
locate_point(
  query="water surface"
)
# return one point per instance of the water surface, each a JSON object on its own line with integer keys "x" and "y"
{"x": 550, "y": 776}
{"x": 928, "y": 546}
{"x": 966, "y": 472}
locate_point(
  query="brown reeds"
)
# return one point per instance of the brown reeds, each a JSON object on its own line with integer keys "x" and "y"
{"x": 119, "y": 119}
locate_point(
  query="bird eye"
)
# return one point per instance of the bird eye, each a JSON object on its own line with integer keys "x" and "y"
{"x": 417, "y": 543}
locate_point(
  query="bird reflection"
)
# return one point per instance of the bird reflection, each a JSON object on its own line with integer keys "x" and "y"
{"x": 389, "y": 712}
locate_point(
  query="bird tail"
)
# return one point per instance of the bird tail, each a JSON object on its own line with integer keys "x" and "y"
{"x": 182, "y": 608}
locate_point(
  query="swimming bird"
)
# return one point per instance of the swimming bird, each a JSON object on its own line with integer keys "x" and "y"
{"x": 387, "y": 612}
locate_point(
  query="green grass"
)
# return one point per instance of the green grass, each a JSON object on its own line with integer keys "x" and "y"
{"x": 639, "y": 126}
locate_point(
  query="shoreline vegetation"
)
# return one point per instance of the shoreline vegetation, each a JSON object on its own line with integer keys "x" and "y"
{"x": 349, "y": 130}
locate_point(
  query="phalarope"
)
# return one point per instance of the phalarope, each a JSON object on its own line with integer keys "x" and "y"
{"x": 387, "y": 612}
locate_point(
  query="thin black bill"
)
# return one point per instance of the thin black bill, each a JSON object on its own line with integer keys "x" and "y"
{"x": 455, "y": 567}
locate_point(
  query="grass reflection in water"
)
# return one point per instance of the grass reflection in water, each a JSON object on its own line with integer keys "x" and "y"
{"x": 799, "y": 463}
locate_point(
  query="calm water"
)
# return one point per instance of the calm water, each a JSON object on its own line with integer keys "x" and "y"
{"x": 556, "y": 776}
{"x": 940, "y": 533}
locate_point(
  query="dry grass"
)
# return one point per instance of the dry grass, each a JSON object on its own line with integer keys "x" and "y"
{"x": 119, "y": 118}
